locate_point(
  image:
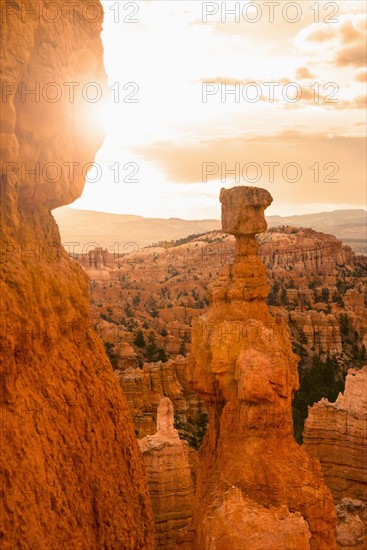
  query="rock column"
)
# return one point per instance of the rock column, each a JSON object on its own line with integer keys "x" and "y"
{"x": 166, "y": 460}
{"x": 256, "y": 488}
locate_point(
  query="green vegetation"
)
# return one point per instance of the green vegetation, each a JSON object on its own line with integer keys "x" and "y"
{"x": 139, "y": 340}
{"x": 110, "y": 351}
{"x": 317, "y": 381}
{"x": 192, "y": 432}
{"x": 153, "y": 353}
{"x": 172, "y": 243}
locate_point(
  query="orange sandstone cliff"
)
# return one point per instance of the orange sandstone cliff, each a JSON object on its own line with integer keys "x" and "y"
{"x": 256, "y": 488}
{"x": 71, "y": 470}
{"x": 336, "y": 434}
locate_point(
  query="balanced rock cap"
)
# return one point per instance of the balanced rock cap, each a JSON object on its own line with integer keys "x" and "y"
{"x": 243, "y": 210}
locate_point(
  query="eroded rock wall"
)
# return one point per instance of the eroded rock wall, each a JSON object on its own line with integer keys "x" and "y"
{"x": 304, "y": 251}
{"x": 144, "y": 389}
{"x": 336, "y": 434}
{"x": 71, "y": 470}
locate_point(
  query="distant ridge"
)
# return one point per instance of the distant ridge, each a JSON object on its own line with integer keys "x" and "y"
{"x": 104, "y": 229}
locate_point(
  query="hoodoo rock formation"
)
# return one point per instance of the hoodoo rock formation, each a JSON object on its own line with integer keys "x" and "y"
{"x": 166, "y": 460}
{"x": 336, "y": 433}
{"x": 71, "y": 470}
{"x": 256, "y": 488}
{"x": 351, "y": 531}
{"x": 144, "y": 389}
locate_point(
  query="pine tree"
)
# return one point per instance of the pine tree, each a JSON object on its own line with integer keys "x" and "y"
{"x": 139, "y": 340}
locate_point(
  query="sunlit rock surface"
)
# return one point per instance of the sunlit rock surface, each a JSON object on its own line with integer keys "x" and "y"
{"x": 304, "y": 251}
{"x": 71, "y": 471}
{"x": 243, "y": 366}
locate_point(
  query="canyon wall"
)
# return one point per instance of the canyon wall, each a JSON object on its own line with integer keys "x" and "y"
{"x": 144, "y": 389}
{"x": 256, "y": 488}
{"x": 71, "y": 470}
{"x": 336, "y": 434}
{"x": 304, "y": 251}
{"x": 321, "y": 331}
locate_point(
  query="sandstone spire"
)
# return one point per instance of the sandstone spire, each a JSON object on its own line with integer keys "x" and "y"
{"x": 243, "y": 366}
{"x": 166, "y": 460}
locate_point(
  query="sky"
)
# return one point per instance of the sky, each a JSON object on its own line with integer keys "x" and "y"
{"x": 201, "y": 98}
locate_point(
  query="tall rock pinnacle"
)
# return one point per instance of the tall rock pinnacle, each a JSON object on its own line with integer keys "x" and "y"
{"x": 256, "y": 487}
{"x": 166, "y": 459}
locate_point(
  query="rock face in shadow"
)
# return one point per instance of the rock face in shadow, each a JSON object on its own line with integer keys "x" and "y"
{"x": 144, "y": 389}
{"x": 351, "y": 531}
{"x": 167, "y": 463}
{"x": 71, "y": 470}
{"x": 243, "y": 366}
{"x": 336, "y": 434}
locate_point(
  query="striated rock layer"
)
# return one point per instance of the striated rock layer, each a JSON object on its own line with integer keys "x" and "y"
{"x": 167, "y": 463}
{"x": 321, "y": 332}
{"x": 243, "y": 366}
{"x": 336, "y": 433}
{"x": 144, "y": 389}
{"x": 304, "y": 251}
{"x": 71, "y": 470}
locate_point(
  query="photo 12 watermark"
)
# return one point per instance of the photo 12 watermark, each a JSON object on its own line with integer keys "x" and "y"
{"x": 68, "y": 171}
{"x": 269, "y": 172}
{"x": 70, "y": 92}
{"x": 25, "y": 333}
{"x": 70, "y": 11}
{"x": 51, "y": 410}
{"x": 271, "y": 92}
{"x": 269, "y": 12}
{"x": 90, "y": 254}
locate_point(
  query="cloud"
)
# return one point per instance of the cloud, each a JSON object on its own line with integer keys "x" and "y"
{"x": 349, "y": 32}
{"x": 361, "y": 77}
{"x": 346, "y": 40}
{"x": 312, "y": 152}
{"x": 360, "y": 102}
{"x": 303, "y": 73}
{"x": 356, "y": 103}
{"x": 317, "y": 34}
{"x": 353, "y": 55}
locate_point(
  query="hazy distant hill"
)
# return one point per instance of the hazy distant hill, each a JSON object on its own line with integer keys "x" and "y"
{"x": 348, "y": 225}
{"x": 85, "y": 226}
